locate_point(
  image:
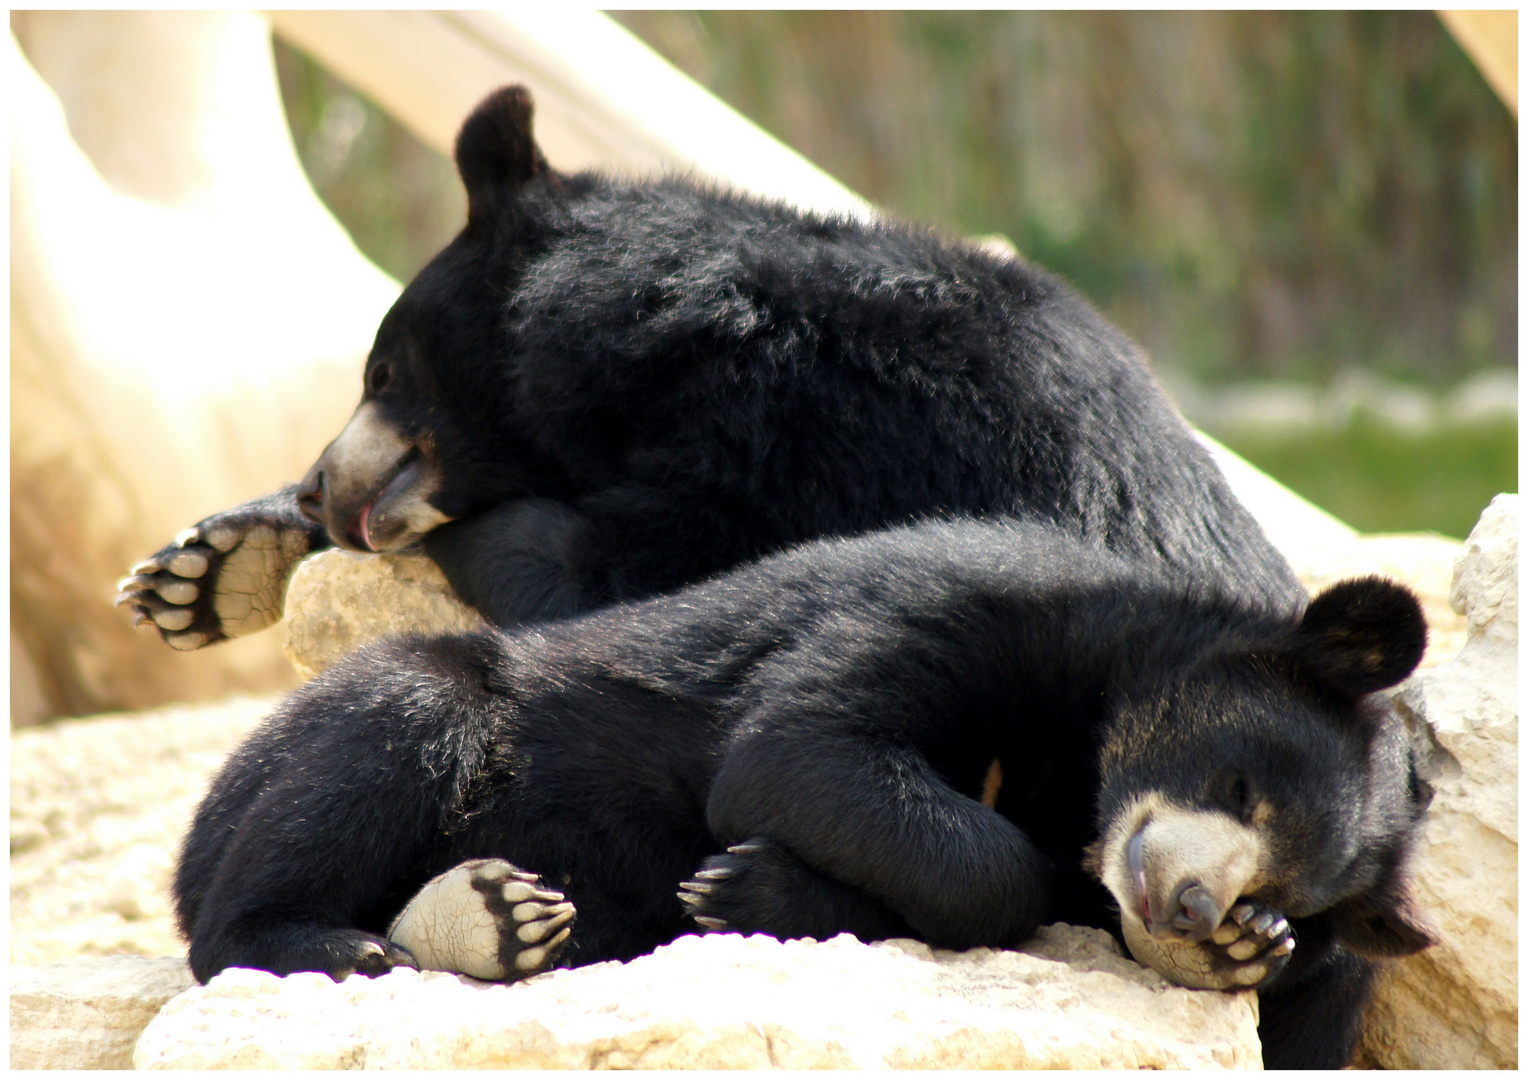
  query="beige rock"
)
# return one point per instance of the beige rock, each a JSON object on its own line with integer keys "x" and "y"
{"x": 1455, "y": 1005}
{"x": 726, "y": 1001}
{"x": 98, "y": 807}
{"x": 338, "y": 601}
{"x": 87, "y": 1014}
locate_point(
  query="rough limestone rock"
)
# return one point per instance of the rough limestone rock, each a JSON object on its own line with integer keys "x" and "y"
{"x": 87, "y": 1014}
{"x": 1455, "y": 1005}
{"x": 338, "y": 600}
{"x": 1069, "y": 1000}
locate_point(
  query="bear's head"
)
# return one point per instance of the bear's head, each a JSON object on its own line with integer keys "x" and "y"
{"x": 429, "y": 442}
{"x": 1269, "y": 783}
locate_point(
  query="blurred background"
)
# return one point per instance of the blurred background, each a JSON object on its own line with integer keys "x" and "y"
{"x": 1308, "y": 219}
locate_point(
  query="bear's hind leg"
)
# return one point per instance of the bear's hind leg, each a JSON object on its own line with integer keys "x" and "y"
{"x": 759, "y": 885}
{"x": 361, "y": 785}
{"x": 487, "y": 919}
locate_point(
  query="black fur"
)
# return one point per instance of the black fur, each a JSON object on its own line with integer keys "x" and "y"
{"x": 830, "y": 715}
{"x": 626, "y": 387}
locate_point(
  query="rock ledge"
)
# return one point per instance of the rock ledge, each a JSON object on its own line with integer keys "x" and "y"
{"x": 727, "y": 1001}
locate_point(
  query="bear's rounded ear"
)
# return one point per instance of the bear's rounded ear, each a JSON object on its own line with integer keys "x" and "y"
{"x": 1383, "y": 923}
{"x": 1362, "y": 635}
{"x": 495, "y": 148}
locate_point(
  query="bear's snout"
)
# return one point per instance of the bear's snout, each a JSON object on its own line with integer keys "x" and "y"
{"x": 371, "y": 486}
{"x": 1195, "y": 912}
{"x": 1190, "y": 910}
{"x": 1176, "y": 871}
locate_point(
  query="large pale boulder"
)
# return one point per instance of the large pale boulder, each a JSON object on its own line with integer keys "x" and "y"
{"x": 1068, "y": 1000}
{"x": 188, "y": 328}
{"x": 1455, "y": 1005}
{"x": 88, "y": 1014}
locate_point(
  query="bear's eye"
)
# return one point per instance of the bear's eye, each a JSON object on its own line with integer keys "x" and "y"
{"x": 1230, "y": 791}
{"x": 377, "y": 378}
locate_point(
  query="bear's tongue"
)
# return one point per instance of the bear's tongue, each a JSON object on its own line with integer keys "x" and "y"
{"x": 359, "y": 534}
{"x": 360, "y": 530}
{"x": 1135, "y": 857}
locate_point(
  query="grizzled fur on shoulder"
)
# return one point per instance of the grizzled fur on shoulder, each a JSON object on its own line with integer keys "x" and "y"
{"x": 604, "y": 389}
{"x": 923, "y": 732}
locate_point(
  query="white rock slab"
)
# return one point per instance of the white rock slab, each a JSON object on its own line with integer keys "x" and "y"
{"x": 1069, "y": 1000}
{"x": 87, "y": 1014}
{"x": 1455, "y": 1005}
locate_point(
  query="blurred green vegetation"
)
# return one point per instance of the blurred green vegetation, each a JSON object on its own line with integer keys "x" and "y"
{"x": 400, "y": 200}
{"x": 1379, "y": 478}
{"x": 1279, "y": 195}
{"x": 1246, "y": 193}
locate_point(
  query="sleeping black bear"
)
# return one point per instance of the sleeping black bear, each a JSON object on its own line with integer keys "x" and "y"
{"x": 813, "y": 744}
{"x": 604, "y": 390}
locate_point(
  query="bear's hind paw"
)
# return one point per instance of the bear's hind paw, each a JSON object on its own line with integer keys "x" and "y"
{"x": 485, "y": 918}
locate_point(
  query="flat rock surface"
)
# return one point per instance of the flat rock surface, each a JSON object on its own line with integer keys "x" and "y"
{"x": 1069, "y": 1000}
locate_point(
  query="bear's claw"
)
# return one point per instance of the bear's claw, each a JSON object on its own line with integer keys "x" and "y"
{"x": 725, "y": 893}
{"x": 1256, "y": 943}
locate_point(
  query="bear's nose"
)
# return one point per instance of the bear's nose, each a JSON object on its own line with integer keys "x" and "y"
{"x": 310, "y": 496}
{"x": 1194, "y": 912}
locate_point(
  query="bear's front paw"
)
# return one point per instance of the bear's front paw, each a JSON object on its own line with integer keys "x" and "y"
{"x": 223, "y": 577}
{"x": 1254, "y": 943}
{"x": 1250, "y": 946}
{"x": 716, "y": 897}
{"x": 487, "y": 919}
{"x": 759, "y": 886}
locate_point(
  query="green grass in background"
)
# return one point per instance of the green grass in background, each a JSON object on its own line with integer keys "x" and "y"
{"x": 1378, "y": 478}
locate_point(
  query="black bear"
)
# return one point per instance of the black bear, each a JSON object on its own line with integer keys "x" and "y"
{"x": 949, "y": 731}
{"x": 602, "y": 390}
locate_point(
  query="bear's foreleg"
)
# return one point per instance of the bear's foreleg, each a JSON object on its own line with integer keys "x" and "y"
{"x": 874, "y": 816}
{"x": 759, "y": 885}
{"x": 1311, "y": 1015}
{"x": 225, "y": 576}
{"x": 524, "y": 561}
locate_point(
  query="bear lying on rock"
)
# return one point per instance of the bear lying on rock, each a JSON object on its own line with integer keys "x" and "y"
{"x": 603, "y": 390}
{"x": 926, "y": 732}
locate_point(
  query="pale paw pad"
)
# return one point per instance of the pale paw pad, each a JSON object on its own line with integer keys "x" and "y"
{"x": 484, "y": 918}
